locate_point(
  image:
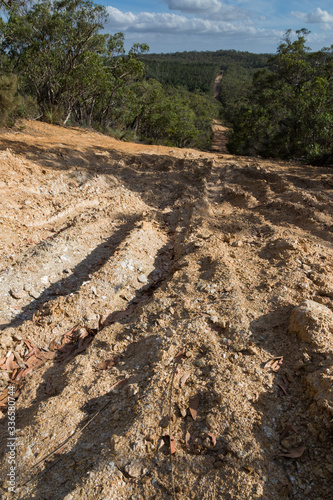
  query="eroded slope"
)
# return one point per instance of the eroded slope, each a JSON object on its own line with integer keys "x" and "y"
{"x": 184, "y": 270}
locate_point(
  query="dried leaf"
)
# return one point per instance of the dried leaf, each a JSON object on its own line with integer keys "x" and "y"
{"x": 10, "y": 363}
{"x": 179, "y": 356}
{"x": 46, "y": 355}
{"x": 274, "y": 364}
{"x": 212, "y": 437}
{"x": 283, "y": 389}
{"x": 53, "y": 345}
{"x": 170, "y": 443}
{"x": 194, "y": 405}
{"x": 187, "y": 439}
{"x": 32, "y": 368}
{"x": 294, "y": 452}
{"x": 83, "y": 344}
{"x": 184, "y": 378}
{"x": 19, "y": 360}
{"x": 107, "y": 364}
{"x": 28, "y": 344}
{"x": 32, "y": 361}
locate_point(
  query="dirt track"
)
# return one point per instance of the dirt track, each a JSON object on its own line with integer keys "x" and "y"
{"x": 183, "y": 268}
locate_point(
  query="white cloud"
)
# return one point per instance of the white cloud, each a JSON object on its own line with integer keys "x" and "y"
{"x": 318, "y": 16}
{"x": 209, "y": 9}
{"x": 168, "y": 23}
{"x": 194, "y": 6}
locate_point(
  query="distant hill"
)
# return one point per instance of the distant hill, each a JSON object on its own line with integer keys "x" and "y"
{"x": 197, "y": 70}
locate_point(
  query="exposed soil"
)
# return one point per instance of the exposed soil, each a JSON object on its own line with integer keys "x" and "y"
{"x": 182, "y": 270}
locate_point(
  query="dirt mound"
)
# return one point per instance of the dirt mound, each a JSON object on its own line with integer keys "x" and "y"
{"x": 148, "y": 321}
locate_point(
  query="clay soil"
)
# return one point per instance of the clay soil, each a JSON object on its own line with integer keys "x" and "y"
{"x": 174, "y": 274}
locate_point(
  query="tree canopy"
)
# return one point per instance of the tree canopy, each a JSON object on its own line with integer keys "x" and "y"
{"x": 288, "y": 110}
{"x": 55, "y": 54}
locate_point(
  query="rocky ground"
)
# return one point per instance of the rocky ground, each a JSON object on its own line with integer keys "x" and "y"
{"x": 166, "y": 321}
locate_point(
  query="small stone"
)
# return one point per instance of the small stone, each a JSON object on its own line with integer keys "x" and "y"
{"x": 306, "y": 268}
{"x": 34, "y": 293}
{"x": 117, "y": 444}
{"x": 200, "y": 363}
{"x": 183, "y": 412}
{"x": 91, "y": 321}
{"x": 285, "y": 244}
{"x": 142, "y": 278}
{"x": 18, "y": 293}
{"x": 134, "y": 469}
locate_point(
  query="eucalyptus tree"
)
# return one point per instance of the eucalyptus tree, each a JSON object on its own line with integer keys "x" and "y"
{"x": 51, "y": 45}
{"x": 289, "y": 110}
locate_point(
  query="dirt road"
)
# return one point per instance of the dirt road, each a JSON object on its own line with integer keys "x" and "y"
{"x": 147, "y": 304}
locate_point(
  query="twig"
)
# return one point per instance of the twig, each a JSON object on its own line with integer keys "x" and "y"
{"x": 177, "y": 360}
{"x": 61, "y": 445}
{"x": 170, "y": 452}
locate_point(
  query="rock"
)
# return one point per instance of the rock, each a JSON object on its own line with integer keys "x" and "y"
{"x": 285, "y": 244}
{"x": 18, "y": 292}
{"x": 134, "y": 469}
{"x": 313, "y": 322}
{"x": 142, "y": 278}
{"x": 91, "y": 321}
{"x": 118, "y": 444}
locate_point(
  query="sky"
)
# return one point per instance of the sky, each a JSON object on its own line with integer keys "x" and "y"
{"x": 254, "y": 26}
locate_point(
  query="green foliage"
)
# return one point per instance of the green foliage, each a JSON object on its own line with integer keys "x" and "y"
{"x": 192, "y": 76}
{"x": 289, "y": 110}
{"x": 197, "y": 70}
{"x": 69, "y": 72}
{"x": 51, "y": 45}
{"x": 235, "y": 84}
{"x": 9, "y": 99}
{"x": 168, "y": 115}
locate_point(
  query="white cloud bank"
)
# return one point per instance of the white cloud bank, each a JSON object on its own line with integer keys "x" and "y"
{"x": 212, "y": 25}
{"x": 209, "y": 9}
{"x": 194, "y": 6}
{"x": 318, "y": 16}
{"x": 153, "y": 22}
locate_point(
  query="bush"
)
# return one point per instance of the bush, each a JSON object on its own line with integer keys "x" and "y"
{"x": 9, "y": 98}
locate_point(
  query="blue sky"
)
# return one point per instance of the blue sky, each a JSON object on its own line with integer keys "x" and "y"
{"x": 255, "y": 26}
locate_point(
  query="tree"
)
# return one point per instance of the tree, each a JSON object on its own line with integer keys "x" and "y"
{"x": 9, "y": 99}
{"x": 53, "y": 43}
{"x": 289, "y": 110}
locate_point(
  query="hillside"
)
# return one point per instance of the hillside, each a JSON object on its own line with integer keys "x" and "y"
{"x": 158, "y": 300}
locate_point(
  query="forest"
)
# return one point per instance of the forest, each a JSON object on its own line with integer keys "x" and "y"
{"x": 286, "y": 109}
{"x": 57, "y": 65}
